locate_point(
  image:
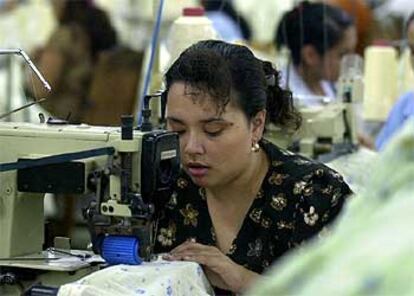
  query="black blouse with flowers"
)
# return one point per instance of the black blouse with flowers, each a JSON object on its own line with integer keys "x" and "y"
{"x": 298, "y": 197}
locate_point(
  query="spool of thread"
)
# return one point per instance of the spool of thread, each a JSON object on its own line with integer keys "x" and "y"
{"x": 119, "y": 249}
{"x": 189, "y": 28}
{"x": 380, "y": 82}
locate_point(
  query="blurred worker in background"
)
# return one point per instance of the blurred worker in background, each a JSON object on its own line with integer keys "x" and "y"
{"x": 404, "y": 107}
{"x": 67, "y": 60}
{"x": 226, "y": 21}
{"x": 318, "y": 36}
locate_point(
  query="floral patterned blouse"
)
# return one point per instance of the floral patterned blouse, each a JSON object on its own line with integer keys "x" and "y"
{"x": 298, "y": 197}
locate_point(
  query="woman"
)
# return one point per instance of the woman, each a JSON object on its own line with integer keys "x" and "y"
{"x": 318, "y": 36}
{"x": 230, "y": 25}
{"x": 68, "y": 58}
{"x": 240, "y": 202}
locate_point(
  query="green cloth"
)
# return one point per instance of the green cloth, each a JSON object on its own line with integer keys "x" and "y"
{"x": 370, "y": 250}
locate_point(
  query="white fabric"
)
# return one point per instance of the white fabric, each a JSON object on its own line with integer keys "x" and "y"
{"x": 149, "y": 278}
{"x": 355, "y": 167}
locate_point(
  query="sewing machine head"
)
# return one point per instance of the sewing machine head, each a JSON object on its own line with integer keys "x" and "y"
{"x": 322, "y": 127}
{"x": 329, "y": 126}
{"x": 128, "y": 170}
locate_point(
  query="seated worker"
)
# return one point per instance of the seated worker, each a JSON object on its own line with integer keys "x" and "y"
{"x": 404, "y": 107}
{"x": 318, "y": 36}
{"x": 68, "y": 58}
{"x": 231, "y": 27}
{"x": 240, "y": 202}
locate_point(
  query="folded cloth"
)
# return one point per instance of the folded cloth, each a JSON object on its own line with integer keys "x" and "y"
{"x": 150, "y": 278}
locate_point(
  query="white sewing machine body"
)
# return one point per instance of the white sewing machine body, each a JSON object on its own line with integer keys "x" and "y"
{"x": 126, "y": 173}
{"x": 328, "y": 126}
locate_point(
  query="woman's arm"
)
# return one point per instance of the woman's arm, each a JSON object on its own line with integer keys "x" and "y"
{"x": 221, "y": 271}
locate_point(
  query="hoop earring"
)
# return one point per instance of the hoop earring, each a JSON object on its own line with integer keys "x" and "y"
{"x": 255, "y": 147}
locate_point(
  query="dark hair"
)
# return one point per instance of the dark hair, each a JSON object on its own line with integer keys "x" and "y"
{"x": 317, "y": 24}
{"x": 94, "y": 21}
{"x": 228, "y": 71}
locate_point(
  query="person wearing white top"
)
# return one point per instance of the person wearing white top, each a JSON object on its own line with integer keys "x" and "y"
{"x": 292, "y": 80}
{"x": 318, "y": 36}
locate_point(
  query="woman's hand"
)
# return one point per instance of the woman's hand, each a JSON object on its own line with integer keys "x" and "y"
{"x": 221, "y": 271}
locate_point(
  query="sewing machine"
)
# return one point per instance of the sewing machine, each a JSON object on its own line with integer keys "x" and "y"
{"x": 329, "y": 127}
{"x": 128, "y": 171}
{"x": 323, "y": 128}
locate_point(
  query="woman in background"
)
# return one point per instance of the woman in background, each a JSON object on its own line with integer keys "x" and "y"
{"x": 318, "y": 36}
{"x": 232, "y": 27}
{"x": 67, "y": 60}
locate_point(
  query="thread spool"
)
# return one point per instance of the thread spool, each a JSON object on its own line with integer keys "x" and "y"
{"x": 190, "y": 27}
{"x": 380, "y": 81}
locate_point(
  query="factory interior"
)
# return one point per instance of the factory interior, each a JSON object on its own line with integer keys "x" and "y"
{"x": 206, "y": 147}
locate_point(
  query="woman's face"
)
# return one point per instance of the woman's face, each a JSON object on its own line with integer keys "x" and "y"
{"x": 215, "y": 148}
{"x": 331, "y": 61}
